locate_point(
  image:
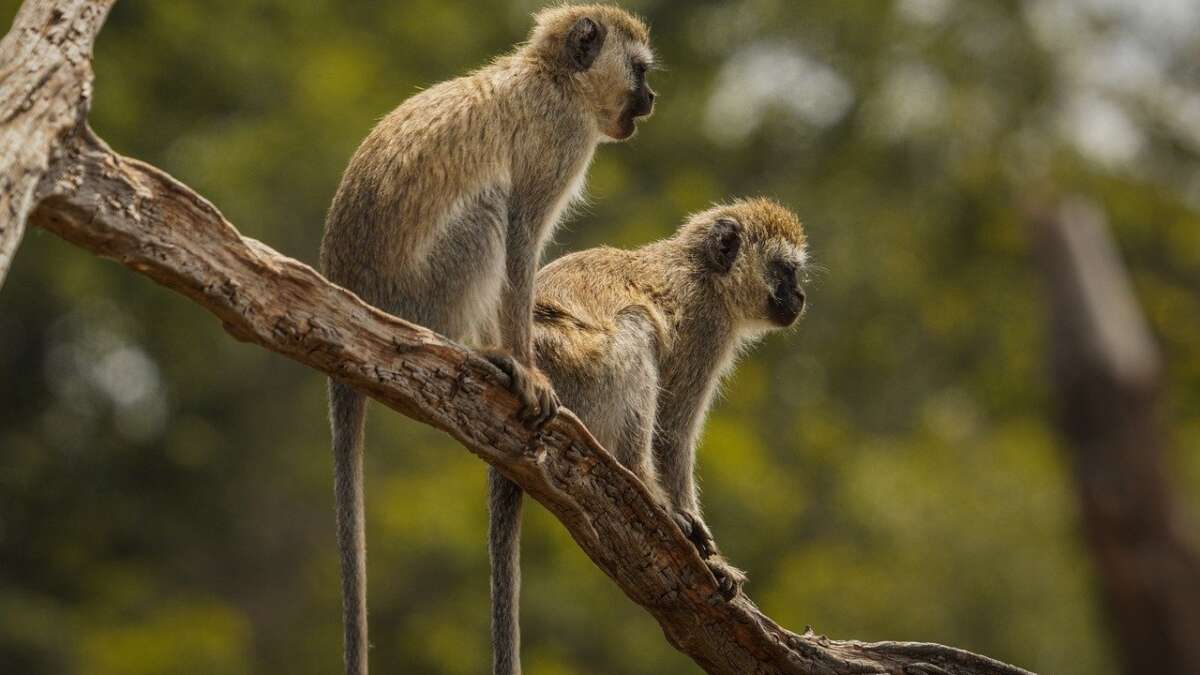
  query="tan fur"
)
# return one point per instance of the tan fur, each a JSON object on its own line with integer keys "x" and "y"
{"x": 443, "y": 211}
{"x": 636, "y": 343}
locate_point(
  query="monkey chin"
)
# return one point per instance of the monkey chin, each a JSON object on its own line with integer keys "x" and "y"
{"x": 622, "y": 129}
{"x": 785, "y": 318}
{"x": 782, "y": 315}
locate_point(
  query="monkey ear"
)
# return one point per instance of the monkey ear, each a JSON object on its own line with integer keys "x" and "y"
{"x": 724, "y": 244}
{"x": 583, "y": 44}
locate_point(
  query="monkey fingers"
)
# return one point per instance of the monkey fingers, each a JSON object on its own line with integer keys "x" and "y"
{"x": 548, "y": 403}
{"x": 729, "y": 578}
{"x": 539, "y": 403}
{"x": 697, "y": 532}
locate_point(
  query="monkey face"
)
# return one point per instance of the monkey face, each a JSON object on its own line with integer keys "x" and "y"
{"x": 639, "y": 101}
{"x": 625, "y": 92}
{"x": 756, "y": 252}
{"x": 781, "y": 265}
{"x": 606, "y": 52}
{"x": 770, "y": 285}
{"x": 785, "y": 303}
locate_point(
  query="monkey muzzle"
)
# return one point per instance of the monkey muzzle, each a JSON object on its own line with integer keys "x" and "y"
{"x": 642, "y": 104}
{"x": 786, "y": 305}
{"x": 639, "y": 104}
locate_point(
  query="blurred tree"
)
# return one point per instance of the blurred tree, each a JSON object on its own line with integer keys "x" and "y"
{"x": 1108, "y": 377}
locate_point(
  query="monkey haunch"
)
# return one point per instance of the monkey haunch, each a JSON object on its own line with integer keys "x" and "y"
{"x": 636, "y": 342}
{"x": 442, "y": 214}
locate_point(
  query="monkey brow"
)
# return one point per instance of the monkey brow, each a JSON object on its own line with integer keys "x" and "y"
{"x": 644, "y": 56}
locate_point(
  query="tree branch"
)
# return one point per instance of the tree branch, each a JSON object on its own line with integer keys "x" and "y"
{"x": 133, "y": 213}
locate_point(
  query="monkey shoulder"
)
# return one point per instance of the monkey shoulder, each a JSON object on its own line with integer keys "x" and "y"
{"x": 460, "y": 122}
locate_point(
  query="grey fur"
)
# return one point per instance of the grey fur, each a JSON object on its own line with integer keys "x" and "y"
{"x": 636, "y": 342}
{"x": 442, "y": 214}
{"x": 504, "y": 553}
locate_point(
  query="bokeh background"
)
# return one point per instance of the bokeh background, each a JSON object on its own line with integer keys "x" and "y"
{"x": 888, "y": 470}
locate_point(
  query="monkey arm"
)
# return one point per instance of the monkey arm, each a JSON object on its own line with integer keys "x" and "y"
{"x": 682, "y": 410}
{"x": 676, "y": 463}
{"x": 516, "y": 300}
{"x": 539, "y": 402}
{"x": 676, "y": 466}
{"x": 538, "y": 196}
{"x": 677, "y": 470}
{"x": 681, "y": 419}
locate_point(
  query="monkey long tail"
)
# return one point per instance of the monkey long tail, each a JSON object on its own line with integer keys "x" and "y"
{"x": 347, "y": 414}
{"x": 504, "y": 549}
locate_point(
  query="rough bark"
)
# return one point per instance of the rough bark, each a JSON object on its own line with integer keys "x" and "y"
{"x": 133, "y": 213}
{"x": 45, "y": 85}
{"x": 1108, "y": 375}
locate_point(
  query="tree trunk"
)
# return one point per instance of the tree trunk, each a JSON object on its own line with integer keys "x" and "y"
{"x": 45, "y": 87}
{"x": 1108, "y": 376}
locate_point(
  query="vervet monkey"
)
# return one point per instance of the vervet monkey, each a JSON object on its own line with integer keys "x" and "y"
{"x": 443, "y": 211}
{"x": 635, "y": 343}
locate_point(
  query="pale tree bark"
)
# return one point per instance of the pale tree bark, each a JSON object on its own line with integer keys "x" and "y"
{"x": 45, "y": 88}
{"x": 133, "y": 213}
{"x": 1108, "y": 375}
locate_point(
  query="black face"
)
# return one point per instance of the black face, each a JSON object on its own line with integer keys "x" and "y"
{"x": 786, "y": 302}
{"x": 641, "y": 100}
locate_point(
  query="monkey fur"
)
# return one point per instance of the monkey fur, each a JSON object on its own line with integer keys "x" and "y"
{"x": 443, "y": 211}
{"x": 636, "y": 343}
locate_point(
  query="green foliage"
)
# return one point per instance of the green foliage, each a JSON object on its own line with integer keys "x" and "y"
{"x": 885, "y": 471}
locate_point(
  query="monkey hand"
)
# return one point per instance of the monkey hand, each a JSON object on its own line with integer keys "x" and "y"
{"x": 729, "y": 578}
{"x": 696, "y": 532}
{"x": 539, "y": 403}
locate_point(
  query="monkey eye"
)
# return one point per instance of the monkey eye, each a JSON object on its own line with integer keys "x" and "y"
{"x": 788, "y": 270}
{"x": 639, "y": 70}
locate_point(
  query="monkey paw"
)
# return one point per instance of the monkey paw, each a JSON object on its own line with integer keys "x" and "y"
{"x": 539, "y": 403}
{"x": 729, "y": 578}
{"x": 696, "y": 532}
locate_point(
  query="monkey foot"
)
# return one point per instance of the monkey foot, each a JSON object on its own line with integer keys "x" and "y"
{"x": 729, "y": 578}
{"x": 539, "y": 403}
{"x": 696, "y": 532}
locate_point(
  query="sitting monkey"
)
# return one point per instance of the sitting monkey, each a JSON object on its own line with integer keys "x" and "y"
{"x": 635, "y": 342}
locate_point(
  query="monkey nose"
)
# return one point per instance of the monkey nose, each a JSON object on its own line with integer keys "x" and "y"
{"x": 645, "y": 106}
{"x": 800, "y": 299}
